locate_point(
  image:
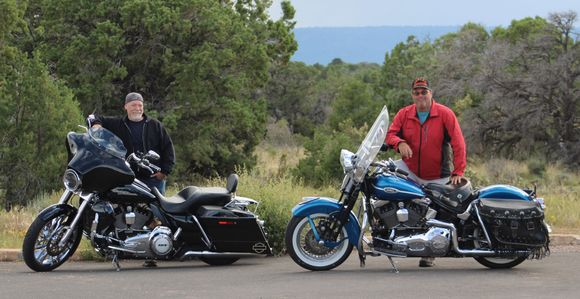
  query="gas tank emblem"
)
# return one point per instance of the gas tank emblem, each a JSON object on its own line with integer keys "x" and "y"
{"x": 390, "y": 190}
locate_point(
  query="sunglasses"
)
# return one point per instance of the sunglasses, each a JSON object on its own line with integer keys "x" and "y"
{"x": 422, "y": 92}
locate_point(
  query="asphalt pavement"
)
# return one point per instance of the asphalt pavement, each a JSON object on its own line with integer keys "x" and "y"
{"x": 556, "y": 276}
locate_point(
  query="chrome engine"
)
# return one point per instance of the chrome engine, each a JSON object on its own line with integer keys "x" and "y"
{"x": 404, "y": 231}
{"x": 157, "y": 243}
{"x": 435, "y": 242}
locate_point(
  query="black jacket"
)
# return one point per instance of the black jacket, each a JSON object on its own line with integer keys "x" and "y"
{"x": 155, "y": 138}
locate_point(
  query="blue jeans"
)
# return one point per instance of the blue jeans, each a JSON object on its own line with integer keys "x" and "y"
{"x": 153, "y": 182}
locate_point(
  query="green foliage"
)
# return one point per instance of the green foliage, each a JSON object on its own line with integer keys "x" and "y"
{"x": 521, "y": 30}
{"x": 36, "y": 111}
{"x": 357, "y": 102}
{"x": 200, "y": 65}
{"x": 321, "y": 164}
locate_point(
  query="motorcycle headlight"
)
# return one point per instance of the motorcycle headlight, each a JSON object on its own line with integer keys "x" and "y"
{"x": 71, "y": 180}
{"x": 346, "y": 160}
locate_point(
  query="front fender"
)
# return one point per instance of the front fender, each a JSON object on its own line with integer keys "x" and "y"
{"x": 56, "y": 209}
{"x": 314, "y": 205}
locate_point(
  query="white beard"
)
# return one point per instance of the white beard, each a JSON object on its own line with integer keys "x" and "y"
{"x": 135, "y": 116}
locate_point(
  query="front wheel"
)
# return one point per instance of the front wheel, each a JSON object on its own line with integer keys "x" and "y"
{"x": 492, "y": 262}
{"x": 309, "y": 253}
{"x": 41, "y": 250}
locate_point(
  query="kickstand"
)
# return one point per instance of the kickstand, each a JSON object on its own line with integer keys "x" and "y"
{"x": 115, "y": 262}
{"x": 362, "y": 259}
{"x": 395, "y": 269}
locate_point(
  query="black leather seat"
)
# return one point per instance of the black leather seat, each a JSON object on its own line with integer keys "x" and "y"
{"x": 190, "y": 198}
{"x": 453, "y": 195}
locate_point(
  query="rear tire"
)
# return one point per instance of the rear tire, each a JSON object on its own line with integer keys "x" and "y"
{"x": 219, "y": 261}
{"x": 40, "y": 249}
{"x": 497, "y": 263}
{"x": 305, "y": 250}
{"x": 493, "y": 262}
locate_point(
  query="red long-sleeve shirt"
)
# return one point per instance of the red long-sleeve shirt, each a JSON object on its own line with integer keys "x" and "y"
{"x": 429, "y": 141}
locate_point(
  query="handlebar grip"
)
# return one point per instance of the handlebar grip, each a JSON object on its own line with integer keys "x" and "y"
{"x": 155, "y": 168}
{"x": 402, "y": 172}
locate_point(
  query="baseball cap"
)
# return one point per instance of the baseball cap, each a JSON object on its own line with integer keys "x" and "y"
{"x": 134, "y": 96}
{"x": 420, "y": 83}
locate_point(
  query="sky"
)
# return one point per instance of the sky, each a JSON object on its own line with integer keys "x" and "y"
{"x": 358, "y": 13}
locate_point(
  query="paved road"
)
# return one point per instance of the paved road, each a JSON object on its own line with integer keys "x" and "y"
{"x": 553, "y": 277}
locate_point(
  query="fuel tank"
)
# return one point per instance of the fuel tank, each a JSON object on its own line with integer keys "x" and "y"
{"x": 391, "y": 187}
{"x": 136, "y": 192}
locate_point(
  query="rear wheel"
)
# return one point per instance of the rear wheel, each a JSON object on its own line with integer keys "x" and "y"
{"x": 309, "y": 253}
{"x": 41, "y": 250}
{"x": 492, "y": 262}
{"x": 219, "y": 261}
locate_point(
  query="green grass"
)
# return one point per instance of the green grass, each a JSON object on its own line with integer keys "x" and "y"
{"x": 277, "y": 193}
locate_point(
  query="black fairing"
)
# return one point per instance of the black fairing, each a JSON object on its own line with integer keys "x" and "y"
{"x": 98, "y": 158}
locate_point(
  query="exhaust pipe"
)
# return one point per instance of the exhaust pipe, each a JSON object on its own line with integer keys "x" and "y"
{"x": 211, "y": 254}
{"x": 471, "y": 252}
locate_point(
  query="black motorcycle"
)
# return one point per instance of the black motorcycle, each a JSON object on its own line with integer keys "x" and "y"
{"x": 125, "y": 219}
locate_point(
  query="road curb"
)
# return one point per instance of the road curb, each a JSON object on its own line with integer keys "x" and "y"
{"x": 13, "y": 255}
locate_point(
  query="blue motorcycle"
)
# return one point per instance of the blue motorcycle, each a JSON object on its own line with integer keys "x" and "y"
{"x": 499, "y": 226}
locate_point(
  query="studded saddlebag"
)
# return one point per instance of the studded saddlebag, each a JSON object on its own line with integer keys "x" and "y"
{"x": 515, "y": 223}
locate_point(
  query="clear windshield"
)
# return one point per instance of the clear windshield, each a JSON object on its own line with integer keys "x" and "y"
{"x": 107, "y": 141}
{"x": 370, "y": 147}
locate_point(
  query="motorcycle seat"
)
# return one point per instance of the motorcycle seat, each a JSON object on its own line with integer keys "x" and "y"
{"x": 454, "y": 195}
{"x": 190, "y": 198}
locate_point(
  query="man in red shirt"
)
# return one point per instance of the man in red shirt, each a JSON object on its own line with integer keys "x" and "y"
{"x": 425, "y": 133}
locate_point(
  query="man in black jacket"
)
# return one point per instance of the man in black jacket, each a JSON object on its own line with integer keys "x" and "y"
{"x": 140, "y": 133}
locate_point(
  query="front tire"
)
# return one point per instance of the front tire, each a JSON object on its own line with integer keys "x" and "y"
{"x": 307, "y": 252}
{"x": 40, "y": 249}
{"x": 492, "y": 262}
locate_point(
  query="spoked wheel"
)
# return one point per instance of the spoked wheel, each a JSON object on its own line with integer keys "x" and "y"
{"x": 311, "y": 254}
{"x": 493, "y": 262}
{"x": 41, "y": 250}
{"x": 219, "y": 261}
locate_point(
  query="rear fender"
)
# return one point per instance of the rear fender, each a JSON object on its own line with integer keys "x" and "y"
{"x": 315, "y": 205}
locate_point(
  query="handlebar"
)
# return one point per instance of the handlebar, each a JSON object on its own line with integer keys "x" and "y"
{"x": 390, "y": 166}
{"x": 144, "y": 163}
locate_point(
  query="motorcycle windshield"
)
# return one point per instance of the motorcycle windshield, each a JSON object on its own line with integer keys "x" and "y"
{"x": 370, "y": 147}
{"x": 108, "y": 142}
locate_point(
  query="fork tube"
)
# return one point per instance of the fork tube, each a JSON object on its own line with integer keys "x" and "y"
{"x": 76, "y": 220}
{"x": 65, "y": 197}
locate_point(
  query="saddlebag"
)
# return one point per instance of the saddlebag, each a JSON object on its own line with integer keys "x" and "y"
{"x": 516, "y": 224}
{"x": 233, "y": 230}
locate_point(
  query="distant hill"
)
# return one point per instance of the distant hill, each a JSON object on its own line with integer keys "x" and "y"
{"x": 357, "y": 44}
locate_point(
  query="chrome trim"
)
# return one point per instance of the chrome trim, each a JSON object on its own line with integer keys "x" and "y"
{"x": 73, "y": 225}
{"x": 177, "y": 233}
{"x": 71, "y": 180}
{"x": 455, "y": 243}
{"x": 482, "y": 225}
{"x": 465, "y": 215}
{"x": 94, "y": 229}
{"x": 140, "y": 185}
{"x": 126, "y": 250}
{"x": 204, "y": 238}
{"x": 65, "y": 197}
{"x": 363, "y": 227}
{"x": 395, "y": 190}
